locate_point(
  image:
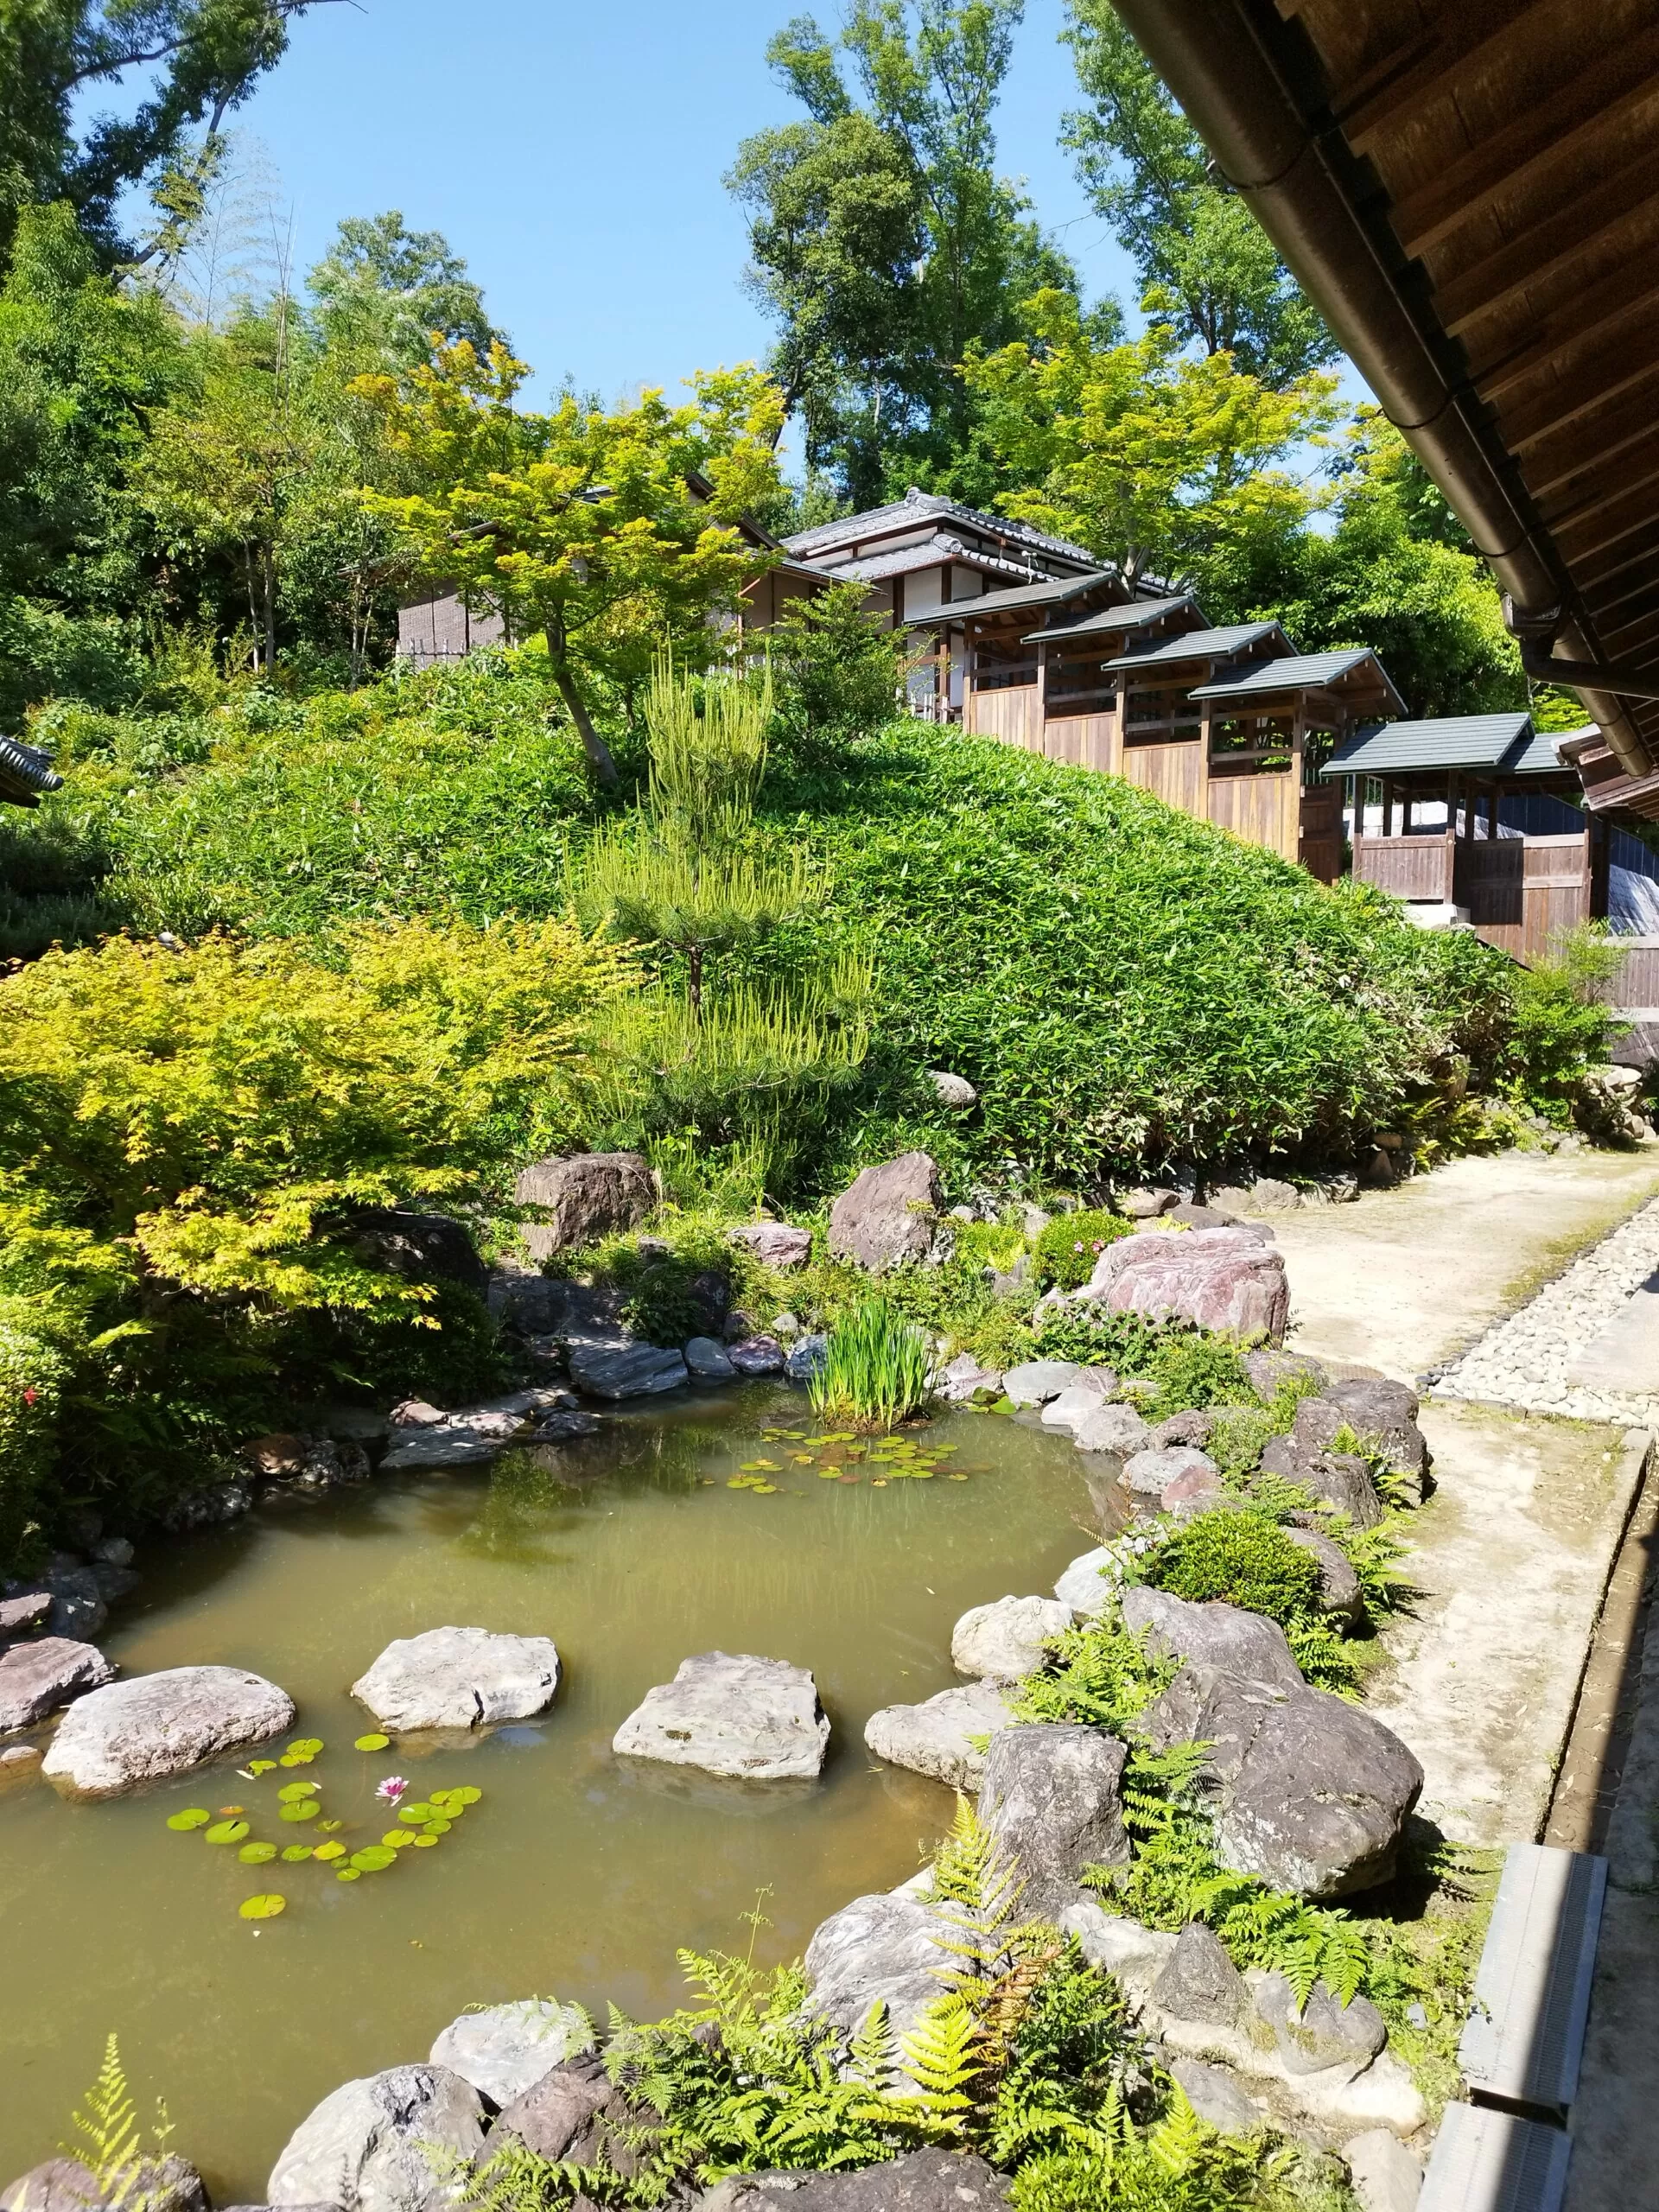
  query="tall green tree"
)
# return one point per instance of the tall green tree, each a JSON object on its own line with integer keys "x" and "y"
{"x": 583, "y": 526}
{"x": 1164, "y": 463}
{"x": 197, "y": 59}
{"x": 1206, "y": 266}
{"x": 382, "y": 290}
{"x": 883, "y": 241}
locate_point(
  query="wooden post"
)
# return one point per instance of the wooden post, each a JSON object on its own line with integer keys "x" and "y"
{"x": 1042, "y": 732}
{"x": 1388, "y": 807}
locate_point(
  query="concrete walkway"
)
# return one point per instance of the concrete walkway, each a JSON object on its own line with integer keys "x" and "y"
{"x": 1511, "y": 1555}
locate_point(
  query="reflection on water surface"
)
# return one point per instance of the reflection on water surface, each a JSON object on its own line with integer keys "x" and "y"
{"x": 579, "y": 1874}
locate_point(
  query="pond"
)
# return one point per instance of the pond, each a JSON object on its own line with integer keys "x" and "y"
{"x": 576, "y": 1874}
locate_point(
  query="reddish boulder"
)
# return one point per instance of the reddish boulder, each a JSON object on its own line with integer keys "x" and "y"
{"x": 1227, "y": 1279}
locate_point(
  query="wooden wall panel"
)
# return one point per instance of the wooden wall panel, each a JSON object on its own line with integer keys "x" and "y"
{"x": 1262, "y": 810}
{"x": 1010, "y": 715}
{"x": 1174, "y": 773}
{"x": 1418, "y": 867}
{"x": 1084, "y": 738}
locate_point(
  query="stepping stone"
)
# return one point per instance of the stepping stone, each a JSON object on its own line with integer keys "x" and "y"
{"x": 755, "y": 1719}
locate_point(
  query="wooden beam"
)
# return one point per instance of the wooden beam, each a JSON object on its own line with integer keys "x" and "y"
{"x": 1546, "y": 249}
{"x": 1592, "y": 535}
{"x": 1562, "y": 335}
{"x": 1615, "y": 481}
{"x": 1627, "y": 422}
{"x": 1544, "y": 134}
{"x": 1407, "y": 79}
{"x": 1569, "y": 402}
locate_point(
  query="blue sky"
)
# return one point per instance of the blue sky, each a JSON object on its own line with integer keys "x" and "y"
{"x": 573, "y": 156}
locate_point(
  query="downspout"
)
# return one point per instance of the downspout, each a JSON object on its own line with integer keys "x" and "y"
{"x": 1223, "y": 72}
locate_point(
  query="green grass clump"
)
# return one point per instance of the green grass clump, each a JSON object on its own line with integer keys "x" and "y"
{"x": 1242, "y": 1559}
{"x": 875, "y": 1373}
{"x": 1065, "y": 1253}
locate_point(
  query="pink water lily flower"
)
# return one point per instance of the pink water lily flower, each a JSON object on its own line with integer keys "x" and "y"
{"x": 392, "y": 1788}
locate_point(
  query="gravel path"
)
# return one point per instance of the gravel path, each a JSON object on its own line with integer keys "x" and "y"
{"x": 1525, "y": 1360}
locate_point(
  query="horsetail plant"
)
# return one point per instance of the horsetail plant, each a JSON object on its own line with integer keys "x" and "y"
{"x": 876, "y": 1371}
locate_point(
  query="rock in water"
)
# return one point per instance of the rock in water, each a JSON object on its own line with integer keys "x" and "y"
{"x": 1037, "y": 1381}
{"x": 368, "y": 2147}
{"x": 1090, "y": 1583}
{"x": 158, "y": 1725}
{"x": 586, "y": 1195}
{"x": 36, "y": 1678}
{"x": 1228, "y": 1278}
{"x": 626, "y": 1369}
{"x": 775, "y": 1244}
{"x": 761, "y": 1355}
{"x": 965, "y": 1378}
{"x": 936, "y": 1738}
{"x": 1114, "y": 1428}
{"x": 921, "y": 2181}
{"x": 808, "y": 1357}
{"x": 549, "y": 2116}
{"x": 889, "y": 1214}
{"x": 507, "y": 2049}
{"x": 1151, "y": 1472}
{"x": 705, "y": 1358}
{"x": 24, "y": 1614}
{"x": 1211, "y": 1636}
{"x": 1005, "y": 1640}
{"x": 166, "y": 2184}
{"x": 758, "y": 1719}
{"x": 889, "y": 1949}
{"x": 460, "y": 1678}
{"x": 1310, "y": 1793}
{"x": 1050, "y": 1797}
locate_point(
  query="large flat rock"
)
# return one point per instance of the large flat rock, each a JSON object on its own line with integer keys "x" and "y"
{"x": 504, "y": 2049}
{"x": 36, "y": 1678}
{"x": 460, "y": 1678}
{"x": 731, "y": 1714}
{"x": 940, "y": 1737}
{"x": 158, "y": 1725}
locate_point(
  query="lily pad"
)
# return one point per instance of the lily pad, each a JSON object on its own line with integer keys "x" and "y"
{"x": 466, "y": 1793}
{"x": 294, "y": 1853}
{"x": 260, "y": 1766}
{"x": 763, "y": 1489}
{"x": 395, "y": 1839}
{"x": 424, "y": 1843}
{"x": 194, "y": 1816}
{"x": 373, "y": 1858}
{"x": 306, "y": 1747}
{"x": 414, "y": 1816}
{"x": 263, "y": 1908}
{"x": 255, "y": 1854}
{"x": 227, "y": 1832}
{"x": 327, "y": 1828}
{"x": 305, "y": 1808}
{"x": 438, "y": 1828}
{"x": 329, "y": 1851}
{"x": 371, "y": 1742}
{"x": 347, "y": 1874}
{"x": 292, "y": 1792}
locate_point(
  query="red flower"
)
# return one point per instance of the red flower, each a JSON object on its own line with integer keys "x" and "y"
{"x": 29, "y": 1394}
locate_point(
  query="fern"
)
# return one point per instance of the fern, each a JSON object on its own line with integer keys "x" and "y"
{"x": 944, "y": 2055}
{"x": 1177, "y": 2143}
{"x": 112, "y": 2144}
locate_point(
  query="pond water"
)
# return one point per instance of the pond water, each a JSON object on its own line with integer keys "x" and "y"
{"x": 576, "y": 1874}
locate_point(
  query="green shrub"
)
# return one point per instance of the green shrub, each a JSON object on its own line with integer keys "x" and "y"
{"x": 875, "y": 1371}
{"x": 1064, "y": 1252}
{"x": 1094, "y": 1338}
{"x": 32, "y": 1377}
{"x": 1562, "y": 1024}
{"x": 835, "y": 674}
{"x": 669, "y": 1296}
{"x": 1242, "y": 1559}
{"x": 1195, "y": 1370}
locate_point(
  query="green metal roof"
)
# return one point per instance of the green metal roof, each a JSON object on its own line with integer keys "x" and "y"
{"x": 1016, "y": 597}
{"x": 1538, "y": 756}
{"x": 1440, "y": 741}
{"x": 1110, "y": 619}
{"x": 1199, "y": 645}
{"x": 1300, "y": 673}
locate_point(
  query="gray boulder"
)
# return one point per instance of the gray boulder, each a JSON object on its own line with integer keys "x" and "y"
{"x": 1037, "y": 1381}
{"x": 1322, "y": 2032}
{"x": 587, "y": 1196}
{"x": 626, "y": 1369}
{"x": 921, "y": 2181}
{"x": 808, "y": 1357}
{"x": 1151, "y": 1472}
{"x": 1200, "y": 1982}
{"x": 936, "y": 1738}
{"x": 460, "y": 1678}
{"x": 775, "y": 1244}
{"x": 1114, "y": 1428}
{"x": 1145, "y": 1204}
{"x": 37, "y": 1677}
{"x": 158, "y": 1725}
{"x": 369, "y": 2147}
{"x": 165, "y": 2184}
{"x": 1004, "y": 1640}
{"x": 965, "y": 1378}
{"x": 952, "y": 1089}
{"x": 1219, "y": 2098}
{"x": 891, "y": 1949}
{"x": 1310, "y": 1793}
{"x": 1268, "y": 1369}
{"x": 1193, "y": 1492}
{"x": 1384, "y": 2175}
{"x": 1381, "y": 1414}
{"x": 758, "y": 1719}
{"x": 707, "y": 1361}
{"x": 75, "y": 1606}
{"x": 1338, "y": 1480}
{"x": 420, "y": 1247}
{"x": 1213, "y": 1635}
{"x": 17, "y": 1760}
{"x": 888, "y": 1215}
{"x": 25, "y": 1615}
{"x": 1340, "y": 1595}
{"x": 1268, "y": 1195}
{"x": 1195, "y": 1428}
{"x": 1090, "y": 1583}
{"x": 1093, "y": 1387}
{"x": 1050, "y": 1797}
{"x": 507, "y": 2049}
{"x": 754, "y": 1355}
{"x": 548, "y": 2117}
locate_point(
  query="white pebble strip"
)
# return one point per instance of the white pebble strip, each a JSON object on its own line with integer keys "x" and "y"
{"x": 1524, "y": 1360}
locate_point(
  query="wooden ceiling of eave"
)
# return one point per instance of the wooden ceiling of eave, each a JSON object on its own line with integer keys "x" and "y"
{"x": 1517, "y": 145}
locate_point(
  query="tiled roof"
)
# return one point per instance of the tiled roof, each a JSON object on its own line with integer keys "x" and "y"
{"x": 912, "y": 507}
{"x": 1300, "y": 673}
{"x": 1050, "y": 592}
{"x": 25, "y": 771}
{"x": 1439, "y": 742}
{"x": 905, "y": 560}
{"x": 1199, "y": 645}
{"x": 1110, "y": 619}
